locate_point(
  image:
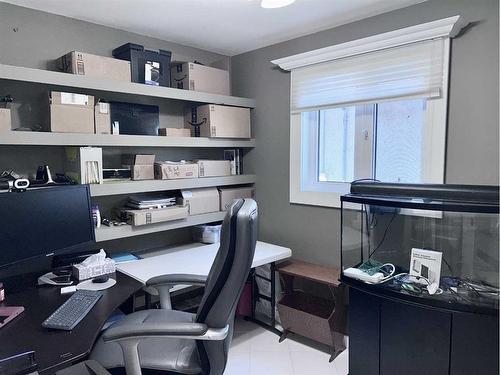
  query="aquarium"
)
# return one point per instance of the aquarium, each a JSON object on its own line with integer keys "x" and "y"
{"x": 430, "y": 244}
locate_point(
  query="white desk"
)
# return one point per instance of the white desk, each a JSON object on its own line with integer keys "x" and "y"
{"x": 194, "y": 259}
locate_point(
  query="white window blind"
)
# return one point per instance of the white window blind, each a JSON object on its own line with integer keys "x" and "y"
{"x": 413, "y": 70}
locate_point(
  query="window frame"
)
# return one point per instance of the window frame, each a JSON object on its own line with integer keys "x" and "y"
{"x": 327, "y": 194}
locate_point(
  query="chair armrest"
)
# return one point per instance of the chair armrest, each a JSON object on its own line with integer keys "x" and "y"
{"x": 177, "y": 279}
{"x": 195, "y": 331}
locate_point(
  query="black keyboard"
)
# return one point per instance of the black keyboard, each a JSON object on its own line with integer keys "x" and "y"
{"x": 71, "y": 312}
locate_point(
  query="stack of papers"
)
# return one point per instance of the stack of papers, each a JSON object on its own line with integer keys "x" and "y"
{"x": 150, "y": 201}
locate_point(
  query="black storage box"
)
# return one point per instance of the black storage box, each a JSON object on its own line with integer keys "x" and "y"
{"x": 116, "y": 174}
{"x": 149, "y": 67}
{"x": 135, "y": 119}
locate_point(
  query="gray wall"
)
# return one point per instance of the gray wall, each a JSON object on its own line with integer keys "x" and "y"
{"x": 31, "y": 38}
{"x": 472, "y": 140}
{"x": 42, "y": 37}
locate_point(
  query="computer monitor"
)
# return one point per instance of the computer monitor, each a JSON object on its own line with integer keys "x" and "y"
{"x": 44, "y": 222}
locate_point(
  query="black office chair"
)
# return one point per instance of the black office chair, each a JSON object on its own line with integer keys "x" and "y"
{"x": 166, "y": 341}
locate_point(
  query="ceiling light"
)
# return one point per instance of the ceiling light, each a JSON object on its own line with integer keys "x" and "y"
{"x": 270, "y": 4}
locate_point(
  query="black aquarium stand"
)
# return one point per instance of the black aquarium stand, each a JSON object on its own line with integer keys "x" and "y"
{"x": 389, "y": 336}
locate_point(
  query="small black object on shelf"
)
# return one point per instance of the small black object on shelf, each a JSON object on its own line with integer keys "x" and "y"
{"x": 136, "y": 119}
{"x": 196, "y": 122}
{"x": 149, "y": 67}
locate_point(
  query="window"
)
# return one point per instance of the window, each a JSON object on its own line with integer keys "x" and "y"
{"x": 387, "y": 146}
{"x": 373, "y": 108}
{"x": 384, "y": 141}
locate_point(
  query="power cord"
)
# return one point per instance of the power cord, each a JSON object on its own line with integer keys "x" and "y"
{"x": 383, "y": 237}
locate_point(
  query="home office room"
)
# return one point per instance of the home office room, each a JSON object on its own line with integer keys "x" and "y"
{"x": 243, "y": 187}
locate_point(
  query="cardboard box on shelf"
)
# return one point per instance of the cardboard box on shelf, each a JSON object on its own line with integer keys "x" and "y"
{"x": 200, "y": 201}
{"x": 197, "y": 77}
{"x": 141, "y": 166}
{"x": 228, "y": 195}
{"x": 214, "y": 168}
{"x": 174, "y": 132}
{"x": 156, "y": 215}
{"x": 219, "y": 121}
{"x": 71, "y": 113}
{"x": 5, "y": 120}
{"x": 102, "y": 118}
{"x": 94, "y": 66}
{"x": 84, "y": 164}
{"x": 172, "y": 170}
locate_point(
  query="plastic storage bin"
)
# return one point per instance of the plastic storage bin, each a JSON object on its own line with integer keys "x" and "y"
{"x": 149, "y": 67}
{"x": 208, "y": 233}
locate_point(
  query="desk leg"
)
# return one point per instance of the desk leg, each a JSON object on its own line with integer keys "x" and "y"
{"x": 272, "y": 299}
{"x": 253, "y": 283}
{"x": 273, "y": 295}
{"x": 147, "y": 300}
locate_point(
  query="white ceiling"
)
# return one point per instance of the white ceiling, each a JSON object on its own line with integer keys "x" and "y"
{"x": 229, "y": 27}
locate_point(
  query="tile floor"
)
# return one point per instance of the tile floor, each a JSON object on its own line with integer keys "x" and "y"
{"x": 256, "y": 351}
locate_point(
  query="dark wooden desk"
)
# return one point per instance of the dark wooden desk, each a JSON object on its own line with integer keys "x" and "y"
{"x": 57, "y": 349}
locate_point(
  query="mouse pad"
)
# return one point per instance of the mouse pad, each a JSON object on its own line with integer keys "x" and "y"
{"x": 89, "y": 285}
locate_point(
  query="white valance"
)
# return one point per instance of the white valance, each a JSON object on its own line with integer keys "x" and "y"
{"x": 408, "y": 71}
{"x": 403, "y": 63}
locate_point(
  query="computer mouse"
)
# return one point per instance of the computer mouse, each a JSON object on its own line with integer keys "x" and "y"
{"x": 100, "y": 279}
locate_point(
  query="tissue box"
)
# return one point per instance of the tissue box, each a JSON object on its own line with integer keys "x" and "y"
{"x": 83, "y": 272}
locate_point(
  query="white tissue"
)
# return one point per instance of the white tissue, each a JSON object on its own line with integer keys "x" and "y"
{"x": 95, "y": 259}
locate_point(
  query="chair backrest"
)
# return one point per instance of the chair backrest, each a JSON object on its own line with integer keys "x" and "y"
{"x": 226, "y": 280}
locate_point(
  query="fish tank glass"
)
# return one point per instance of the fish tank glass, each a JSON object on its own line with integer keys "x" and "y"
{"x": 430, "y": 244}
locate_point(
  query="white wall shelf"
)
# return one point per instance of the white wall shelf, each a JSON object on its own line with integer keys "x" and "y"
{"x": 123, "y": 231}
{"x": 79, "y": 139}
{"x": 129, "y": 187}
{"x": 18, "y": 73}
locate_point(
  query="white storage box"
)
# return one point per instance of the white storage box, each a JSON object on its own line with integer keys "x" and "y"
{"x": 84, "y": 164}
{"x": 5, "y": 120}
{"x": 219, "y": 121}
{"x": 207, "y": 233}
